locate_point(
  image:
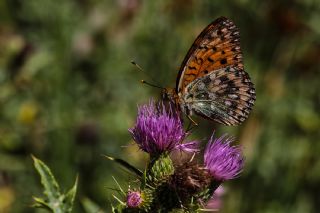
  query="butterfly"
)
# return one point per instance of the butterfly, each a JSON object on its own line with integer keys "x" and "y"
{"x": 211, "y": 81}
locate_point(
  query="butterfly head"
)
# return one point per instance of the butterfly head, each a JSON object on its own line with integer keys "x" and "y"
{"x": 169, "y": 94}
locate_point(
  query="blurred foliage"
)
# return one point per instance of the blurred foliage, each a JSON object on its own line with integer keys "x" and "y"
{"x": 69, "y": 93}
{"x": 55, "y": 201}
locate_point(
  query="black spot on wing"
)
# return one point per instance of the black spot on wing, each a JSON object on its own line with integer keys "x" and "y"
{"x": 231, "y": 84}
{"x": 206, "y": 80}
{"x": 223, "y": 78}
{"x": 223, "y": 61}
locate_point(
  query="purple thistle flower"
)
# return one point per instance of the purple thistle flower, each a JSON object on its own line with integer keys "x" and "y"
{"x": 134, "y": 199}
{"x": 159, "y": 130}
{"x": 223, "y": 160}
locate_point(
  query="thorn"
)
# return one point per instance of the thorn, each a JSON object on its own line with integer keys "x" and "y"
{"x": 121, "y": 202}
{"x": 194, "y": 154}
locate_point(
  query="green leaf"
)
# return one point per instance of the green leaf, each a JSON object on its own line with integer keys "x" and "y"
{"x": 69, "y": 198}
{"x": 40, "y": 203}
{"x": 51, "y": 187}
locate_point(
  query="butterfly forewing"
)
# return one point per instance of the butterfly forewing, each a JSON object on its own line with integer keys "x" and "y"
{"x": 217, "y": 46}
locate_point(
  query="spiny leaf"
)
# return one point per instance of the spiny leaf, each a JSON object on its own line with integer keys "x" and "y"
{"x": 51, "y": 187}
{"x": 55, "y": 201}
{"x": 69, "y": 198}
{"x": 40, "y": 203}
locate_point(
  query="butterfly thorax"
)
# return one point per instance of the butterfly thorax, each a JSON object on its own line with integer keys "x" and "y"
{"x": 179, "y": 100}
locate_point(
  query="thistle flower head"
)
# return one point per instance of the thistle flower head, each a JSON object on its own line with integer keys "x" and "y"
{"x": 139, "y": 200}
{"x": 223, "y": 160}
{"x": 189, "y": 179}
{"x": 134, "y": 199}
{"x": 159, "y": 130}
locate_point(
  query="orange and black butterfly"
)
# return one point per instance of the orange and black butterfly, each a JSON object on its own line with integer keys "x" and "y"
{"x": 211, "y": 81}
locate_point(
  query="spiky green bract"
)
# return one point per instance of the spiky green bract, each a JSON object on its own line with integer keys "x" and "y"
{"x": 147, "y": 196}
{"x": 55, "y": 201}
{"x": 159, "y": 170}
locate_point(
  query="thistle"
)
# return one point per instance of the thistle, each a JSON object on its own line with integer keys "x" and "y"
{"x": 138, "y": 200}
{"x": 166, "y": 187}
{"x": 158, "y": 131}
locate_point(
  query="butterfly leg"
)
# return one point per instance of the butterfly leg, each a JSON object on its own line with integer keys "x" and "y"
{"x": 192, "y": 124}
{"x": 192, "y": 121}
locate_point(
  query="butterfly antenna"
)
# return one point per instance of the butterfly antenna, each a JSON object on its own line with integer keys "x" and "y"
{"x": 147, "y": 74}
{"x": 150, "y": 84}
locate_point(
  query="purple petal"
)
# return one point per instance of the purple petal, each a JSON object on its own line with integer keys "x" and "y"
{"x": 223, "y": 160}
{"x": 134, "y": 199}
{"x": 192, "y": 146}
{"x": 157, "y": 128}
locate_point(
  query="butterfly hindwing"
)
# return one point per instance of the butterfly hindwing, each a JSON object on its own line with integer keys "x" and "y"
{"x": 226, "y": 96}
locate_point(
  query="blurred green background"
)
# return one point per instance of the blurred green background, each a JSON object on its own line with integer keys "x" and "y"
{"x": 68, "y": 94}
